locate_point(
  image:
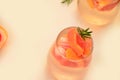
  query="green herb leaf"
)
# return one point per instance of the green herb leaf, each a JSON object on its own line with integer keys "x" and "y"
{"x": 67, "y": 2}
{"x": 84, "y": 33}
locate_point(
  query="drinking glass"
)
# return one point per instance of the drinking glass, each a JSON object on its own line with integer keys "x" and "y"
{"x": 98, "y": 12}
{"x": 63, "y": 63}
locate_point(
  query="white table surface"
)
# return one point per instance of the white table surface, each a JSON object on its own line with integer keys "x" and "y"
{"x": 33, "y": 25}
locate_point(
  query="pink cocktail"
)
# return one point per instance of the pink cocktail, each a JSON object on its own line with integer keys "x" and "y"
{"x": 70, "y": 55}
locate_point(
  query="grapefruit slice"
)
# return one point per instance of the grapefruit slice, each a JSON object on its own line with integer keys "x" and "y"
{"x": 88, "y": 47}
{"x": 103, "y": 5}
{"x": 109, "y": 6}
{"x": 72, "y": 41}
{"x": 91, "y": 3}
{"x": 70, "y": 54}
{"x": 85, "y": 44}
{"x": 80, "y": 41}
{"x": 3, "y": 36}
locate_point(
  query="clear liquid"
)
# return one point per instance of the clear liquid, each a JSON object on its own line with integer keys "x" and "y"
{"x": 95, "y": 17}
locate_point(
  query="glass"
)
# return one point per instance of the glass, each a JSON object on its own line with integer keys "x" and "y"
{"x": 65, "y": 66}
{"x": 98, "y": 12}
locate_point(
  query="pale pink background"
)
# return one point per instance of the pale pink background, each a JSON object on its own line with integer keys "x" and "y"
{"x": 33, "y": 26}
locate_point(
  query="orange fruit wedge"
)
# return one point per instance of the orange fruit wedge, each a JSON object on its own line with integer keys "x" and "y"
{"x": 3, "y": 36}
{"x": 70, "y": 54}
{"x": 91, "y": 3}
{"x": 109, "y": 6}
{"x": 73, "y": 42}
{"x": 98, "y": 3}
{"x": 103, "y": 2}
{"x": 103, "y": 5}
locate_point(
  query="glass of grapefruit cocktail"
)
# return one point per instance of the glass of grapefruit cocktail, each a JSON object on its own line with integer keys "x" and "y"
{"x": 70, "y": 55}
{"x": 98, "y": 12}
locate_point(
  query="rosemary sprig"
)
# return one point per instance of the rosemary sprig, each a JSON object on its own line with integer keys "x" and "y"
{"x": 67, "y": 2}
{"x": 84, "y": 33}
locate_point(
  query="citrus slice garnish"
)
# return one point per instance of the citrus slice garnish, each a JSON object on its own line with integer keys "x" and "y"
{"x": 70, "y": 54}
{"x": 3, "y": 36}
{"x": 72, "y": 41}
{"x": 103, "y": 5}
{"x": 91, "y": 3}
